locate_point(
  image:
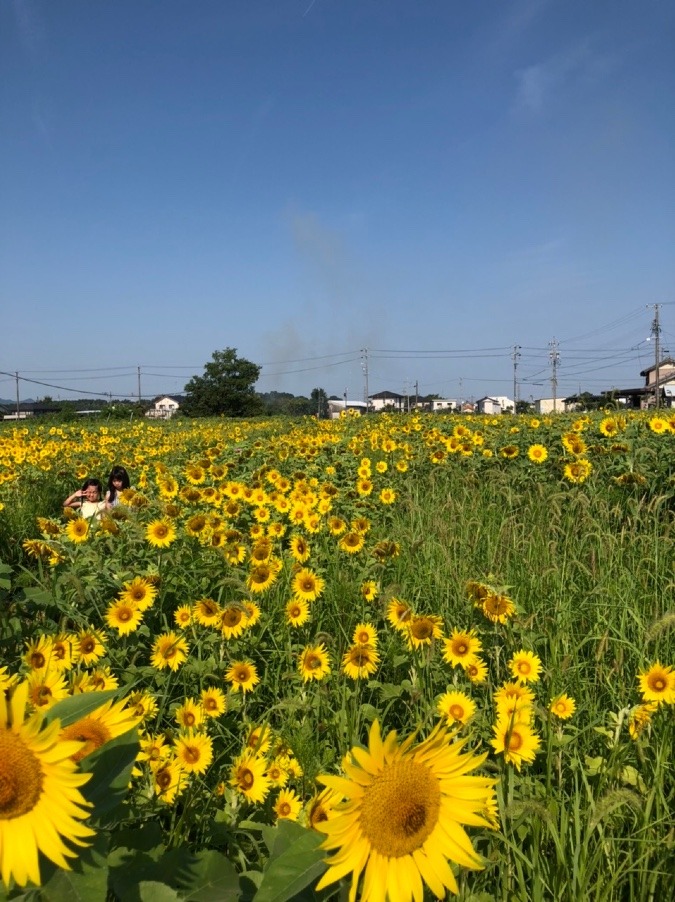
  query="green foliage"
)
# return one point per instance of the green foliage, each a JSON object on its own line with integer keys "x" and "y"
{"x": 225, "y": 389}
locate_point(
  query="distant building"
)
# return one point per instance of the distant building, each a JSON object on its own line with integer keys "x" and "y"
{"x": 387, "y": 399}
{"x": 29, "y": 409}
{"x": 439, "y": 405}
{"x": 336, "y": 407}
{"x": 494, "y": 405}
{"x": 642, "y": 396}
{"x": 549, "y": 405}
{"x": 164, "y": 407}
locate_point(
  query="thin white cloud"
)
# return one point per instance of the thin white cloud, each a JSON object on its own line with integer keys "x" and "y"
{"x": 539, "y": 84}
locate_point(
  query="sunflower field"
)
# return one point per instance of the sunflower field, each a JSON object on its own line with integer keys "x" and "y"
{"x": 383, "y": 657}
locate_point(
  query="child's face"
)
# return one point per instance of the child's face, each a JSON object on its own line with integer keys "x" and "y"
{"x": 91, "y": 493}
{"x": 117, "y": 482}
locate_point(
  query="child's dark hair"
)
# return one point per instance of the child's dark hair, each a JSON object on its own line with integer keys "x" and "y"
{"x": 121, "y": 474}
{"x": 95, "y": 482}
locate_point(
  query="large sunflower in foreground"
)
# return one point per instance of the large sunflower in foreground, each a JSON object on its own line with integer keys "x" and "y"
{"x": 403, "y": 816}
{"x": 40, "y": 801}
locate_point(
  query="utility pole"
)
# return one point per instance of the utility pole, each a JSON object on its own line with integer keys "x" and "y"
{"x": 139, "y": 384}
{"x": 656, "y": 332}
{"x": 514, "y": 357}
{"x": 554, "y": 357}
{"x": 364, "y": 367}
{"x": 16, "y": 374}
{"x": 417, "y": 393}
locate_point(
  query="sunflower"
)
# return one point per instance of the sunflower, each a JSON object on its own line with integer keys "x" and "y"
{"x": 578, "y": 471}
{"x": 38, "y": 653}
{"x": 640, "y": 718}
{"x": 336, "y": 526}
{"x": 233, "y": 621}
{"x": 63, "y": 655}
{"x": 261, "y": 552}
{"x": 525, "y": 666}
{"x": 509, "y": 691}
{"x": 516, "y": 740}
{"x": 365, "y": 634}
{"x": 78, "y": 530}
{"x": 160, "y": 533}
{"x": 140, "y": 592}
{"x": 369, "y": 590}
{"x": 252, "y": 612}
{"x": 498, "y": 608}
{"x": 537, "y": 454}
{"x": 194, "y": 751}
{"x": 189, "y": 715}
{"x": 89, "y": 646}
{"x": 387, "y": 496}
{"x": 297, "y": 612}
{"x": 195, "y": 525}
{"x": 574, "y": 443}
{"x": 563, "y": 706}
{"x": 123, "y": 616}
{"x": 261, "y": 577}
{"x": 259, "y": 739}
{"x": 476, "y": 670}
{"x": 659, "y": 425}
{"x": 206, "y": 612}
{"x": 46, "y": 687}
{"x": 247, "y": 776}
{"x": 404, "y": 815}
{"x": 277, "y": 773}
{"x": 110, "y": 720}
{"x": 657, "y": 684}
{"x": 287, "y": 805}
{"x": 461, "y": 648}
{"x": 307, "y": 585}
{"x": 321, "y": 807}
{"x": 41, "y": 806}
{"x": 103, "y": 679}
{"x": 214, "y": 701}
{"x": 183, "y": 616}
{"x": 422, "y": 630}
{"x": 399, "y": 613}
{"x": 170, "y": 780}
{"x": 386, "y": 551}
{"x": 456, "y": 706}
{"x": 351, "y": 542}
{"x": 242, "y": 675}
{"x": 314, "y": 663}
{"x": 609, "y": 427}
{"x": 142, "y": 704}
{"x": 360, "y": 661}
{"x": 169, "y": 650}
{"x": 154, "y": 750}
{"x": 299, "y": 548}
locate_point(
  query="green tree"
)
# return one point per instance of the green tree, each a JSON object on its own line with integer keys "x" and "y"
{"x": 319, "y": 406}
{"x": 226, "y": 388}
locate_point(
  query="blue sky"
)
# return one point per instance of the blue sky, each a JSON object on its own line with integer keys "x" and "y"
{"x": 435, "y": 182}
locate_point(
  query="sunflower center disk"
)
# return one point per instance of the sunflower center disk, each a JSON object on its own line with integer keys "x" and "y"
{"x": 400, "y": 809}
{"x": 20, "y": 777}
{"x": 93, "y": 733}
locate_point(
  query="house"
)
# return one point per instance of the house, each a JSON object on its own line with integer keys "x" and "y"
{"x": 164, "y": 407}
{"x": 543, "y": 406}
{"x": 29, "y": 409}
{"x": 439, "y": 405}
{"x": 337, "y": 406}
{"x": 494, "y": 405}
{"x": 388, "y": 400}
{"x": 642, "y": 396}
